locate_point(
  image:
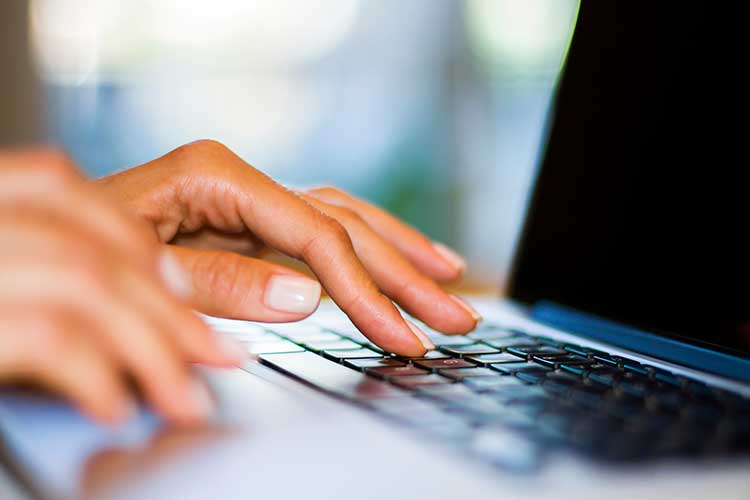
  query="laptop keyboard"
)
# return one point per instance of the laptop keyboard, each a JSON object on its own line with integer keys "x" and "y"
{"x": 512, "y": 398}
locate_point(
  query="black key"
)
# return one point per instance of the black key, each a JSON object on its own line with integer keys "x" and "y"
{"x": 512, "y": 342}
{"x": 582, "y": 370}
{"x": 542, "y": 350}
{"x": 532, "y": 376}
{"x": 636, "y": 367}
{"x": 361, "y": 364}
{"x": 351, "y": 354}
{"x": 272, "y": 347}
{"x": 393, "y": 371}
{"x": 556, "y": 361}
{"x": 488, "y": 359}
{"x": 606, "y": 375}
{"x": 332, "y": 345}
{"x": 607, "y": 359}
{"x": 463, "y": 373}
{"x": 513, "y": 368}
{"x": 415, "y": 381}
{"x": 436, "y": 364}
{"x": 327, "y": 375}
{"x": 582, "y": 351}
{"x": 668, "y": 378}
{"x": 469, "y": 350}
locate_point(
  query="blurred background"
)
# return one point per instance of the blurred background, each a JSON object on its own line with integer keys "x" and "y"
{"x": 433, "y": 109}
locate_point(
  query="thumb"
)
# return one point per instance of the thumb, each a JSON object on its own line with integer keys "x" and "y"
{"x": 230, "y": 285}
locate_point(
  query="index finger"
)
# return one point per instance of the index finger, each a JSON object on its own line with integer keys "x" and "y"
{"x": 289, "y": 224}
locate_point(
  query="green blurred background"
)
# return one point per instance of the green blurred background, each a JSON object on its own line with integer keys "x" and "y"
{"x": 434, "y": 109}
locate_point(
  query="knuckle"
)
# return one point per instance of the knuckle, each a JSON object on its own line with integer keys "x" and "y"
{"x": 348, "y": 216}
{"x": 335, "y": 231}
{"x": 202, "y": 147}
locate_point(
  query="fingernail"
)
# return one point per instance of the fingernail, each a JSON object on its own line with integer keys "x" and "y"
{"x": 293, "y": 294}
{"x": 174, "y": 275}
{"x": 203, "y": 405}
{"x": 450, "y": 255}
{"x": 461, "y": 302}
{"x": 232, "y": 349}
{"x": 422, "y": 336}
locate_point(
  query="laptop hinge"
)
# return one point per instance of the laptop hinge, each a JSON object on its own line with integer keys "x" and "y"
{"x": 641, "y": 341}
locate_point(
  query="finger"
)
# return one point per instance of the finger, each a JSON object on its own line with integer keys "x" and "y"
{"x": 433, "y": 259}
{"x": 284, "y": 221}
{"x": 48, "y": 183}
{"x": 149, "y": 295}
{"x": 51, "y": 350}
{"x": 229, "y": 285}
{"x": 413, "y": 291}
{"x": 142, "y": 347}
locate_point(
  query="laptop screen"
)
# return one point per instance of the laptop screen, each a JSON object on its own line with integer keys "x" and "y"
{"x": 639, "y": 214}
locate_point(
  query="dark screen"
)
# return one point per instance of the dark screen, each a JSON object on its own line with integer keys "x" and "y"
{"x": 640, "y": 211}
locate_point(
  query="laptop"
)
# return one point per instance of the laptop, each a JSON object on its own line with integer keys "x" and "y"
{"x": 617, "y": 365}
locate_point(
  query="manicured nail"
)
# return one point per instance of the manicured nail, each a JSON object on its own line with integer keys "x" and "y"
{"x": 203, "y": 405}
{"x": 451, "y": 256}
{"x": 232, "y": 349}
{"x": 174, "y": 275}
{"x": 422, "y": 336}
{"x": 461, "y": 302}
{"x": 293, "y": 294}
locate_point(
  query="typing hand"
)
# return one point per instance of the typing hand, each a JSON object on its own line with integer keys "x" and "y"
{"x": 82, "y": 308}
{"x": 205, "y": 196}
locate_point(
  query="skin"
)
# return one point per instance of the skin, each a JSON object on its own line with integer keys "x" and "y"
{"x": 213, "y": 215}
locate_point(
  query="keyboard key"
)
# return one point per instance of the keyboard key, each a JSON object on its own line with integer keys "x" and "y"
{"x": 491, "y": 334}
{"x": 586, "y": 352}
{"x": 463, "y": 373}
{"x": 393, "y": 371}
{"x": 414, "y": 381}
{"x": 327, "y": 375}
{"x": 582, "y": 370}
{"x": 555, "y": 361}
{"x": 469, "y": 350}
{"x": 542, "y": 350}
{"x": 489, "y": 359}
{"x": 319, "y": 336}
{"x": 272, "y": 347}
{"x": 435, "y": 364}
{"x": 532, "y": 376}
{"x": 450, "y": 340}
{"x": 363, "y": 363}
{"x": 513, "y": 368}
{"x": 332, "y": 345}
{"x": 512, "y": 342}
{"x": 351, "y": 354}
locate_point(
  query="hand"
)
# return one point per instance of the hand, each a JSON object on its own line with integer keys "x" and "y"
{"x": 82, "y": 310}
{"x": 205, "y": 196}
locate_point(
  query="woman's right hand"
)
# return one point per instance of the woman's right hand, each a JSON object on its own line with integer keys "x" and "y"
{"x": 88, "y": 303}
